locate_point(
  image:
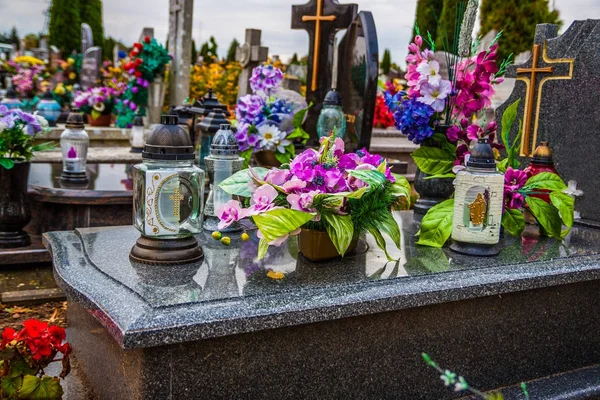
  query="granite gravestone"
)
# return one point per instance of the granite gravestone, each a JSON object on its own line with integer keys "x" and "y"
{"x": 87, "y": 38}
{"x": 90, "y": 67}
{"x": 357, "y": 78}
{"x": 556, "y": 87}
{"x": 321, "y": 19}
{"x": 180, "y": 48}
{"x": 249, "y": 55}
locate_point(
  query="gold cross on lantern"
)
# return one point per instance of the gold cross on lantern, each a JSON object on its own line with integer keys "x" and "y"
{"x": 528, "y": 145}
{"x": 317, "y": 18}
{"x": 176, "y": 197}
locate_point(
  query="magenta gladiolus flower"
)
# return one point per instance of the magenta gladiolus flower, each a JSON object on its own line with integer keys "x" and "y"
{"x": 229, "y": 213}
{"x": 515, "y": 179}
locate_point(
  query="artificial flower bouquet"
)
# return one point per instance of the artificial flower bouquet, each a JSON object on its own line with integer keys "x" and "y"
{"x": 343, "y": 194}
{"x": 18, "y": 129}
{"x": 96, "y": 101}
{"x": 271, "y": 118}
{"x": 25, "y": 354}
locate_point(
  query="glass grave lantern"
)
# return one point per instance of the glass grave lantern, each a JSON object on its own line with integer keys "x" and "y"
{"x": 49, "y": 108}
{"x": 168, "y": 197}
{"x": 209, "y": 126}
{"x": 478, "y": 197}
{"x": 332, "y": 116}
{"x": 224, "y": 160}
{"x": 136, "y": 134}
{"x": 10, "y": 100}
{"x": 74, "y": 143}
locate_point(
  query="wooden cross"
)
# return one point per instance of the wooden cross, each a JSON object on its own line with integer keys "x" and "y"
{"x": 176, "y": 197}
{"x": 527, "y": 144}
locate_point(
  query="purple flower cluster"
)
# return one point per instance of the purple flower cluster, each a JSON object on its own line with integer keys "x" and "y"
{"x": 413, "y": 119}
{"x": 15, "y": 118}
{"x": 266, "y": 79}
{"x": 249, "y": 109}
{"x": 100, "y": 99}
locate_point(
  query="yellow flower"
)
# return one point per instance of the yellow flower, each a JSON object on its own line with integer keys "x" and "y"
{"x": 275, "y": 275}
{"x": 59, "y": 89}
{"x": 70, "y": 61}
{"x": 28, "y": 60}
{"x": 72, "y": 75}
{"x": 245, "y": 236}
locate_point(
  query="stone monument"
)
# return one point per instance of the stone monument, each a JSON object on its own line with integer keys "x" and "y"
{"x": 90, "y": 67}
{"x": 556, "y": 87}
{"x": 180, "y": 45}
{"x": 321, "y": 19}
{"x": 146, "y": 31}
{"x": 249, "y": 55}
{"x": 87, "y": 37}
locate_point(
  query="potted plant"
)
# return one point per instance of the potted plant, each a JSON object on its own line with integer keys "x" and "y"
{"x": 25, "y": 354}
{"x": 270, "y": 119}
{"x": 17, "y": 132}
{"x": 326, "y": 196}
{"x": 98, "y": 104}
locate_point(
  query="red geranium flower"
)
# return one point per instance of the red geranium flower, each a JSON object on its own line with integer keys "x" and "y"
{"x": 138, "y": 46}
{"x": 8, "y": 335}
{"x": 147, "y": 39}
{"x": 57, "y": 335}
{"x": 138, "y": 74}
{"x": 35, "y": 328}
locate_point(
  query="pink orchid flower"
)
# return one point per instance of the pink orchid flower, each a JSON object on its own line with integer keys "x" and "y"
{"x": 277, "y": 176}
{"x": 262, "y": 199}
{"x": 229, "y": 213}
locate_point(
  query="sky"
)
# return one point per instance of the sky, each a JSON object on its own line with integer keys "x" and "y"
{"x": 228, "y": 19}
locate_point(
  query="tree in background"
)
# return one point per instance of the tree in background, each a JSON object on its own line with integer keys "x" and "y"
{"x": 194, "y": 52}
{"x": 386, "y": 62}
{"x": 11, "y": 37}
{"x": 449, "y": 22}
{"x": 208, "y": 51}
{"x": 294, "y": 59}
{"x": 231, "y": 52}
{"x": 109, "y": 45}
{"x": 517, "y": 20}
{"x": 427, "y": 13}
{"x": 65, "y": 25}
{"x": 90, "y": 12}
{"x": 32, "y": 41}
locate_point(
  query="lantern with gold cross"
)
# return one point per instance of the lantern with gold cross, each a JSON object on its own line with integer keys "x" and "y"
{"x": 168, "y": 197}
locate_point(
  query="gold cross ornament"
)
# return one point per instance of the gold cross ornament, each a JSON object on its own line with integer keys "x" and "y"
{"x": 317, "y": 18}
{"x": 176, "y": 197}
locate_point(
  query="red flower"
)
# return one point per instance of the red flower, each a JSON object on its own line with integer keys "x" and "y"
{"x": 35, "y": 328}
{"x": 57, "y": 335}
{"x": 382, "y": 117}
{"x": 8, "y": 335}
{"x": 138, "y": 46}
{"x": 147, "y": 39}
{"x": 138, "y": 61}
{"x": 138, "y": 74}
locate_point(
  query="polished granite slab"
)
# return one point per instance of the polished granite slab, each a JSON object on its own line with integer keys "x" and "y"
{"x": 230, "y": 293}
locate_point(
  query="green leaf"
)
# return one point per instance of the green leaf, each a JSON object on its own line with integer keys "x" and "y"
{"x": 545, "y": 180}
{"x": 502, "y": 165}
{"x": 299, "y": 116}
{"x": 20, "y": 367}
{"x": 285, "y": 158}
{"x": 565, "y": 205}
{"x": 508, "y": 119}
{"x": 279, "y": 222}
{"x": 237, "y": 184}
{"x": 369, "y": 176}
{"x": 357, "y": 194}
{"x": 380, "y": 242}
{"x": 298, "y": 133}
{"x": 513, "y": 221}
{"x": 390, "y": 227}
{"x": 246, "y": 155}
{"x": 10, "y": 386}
{"x": 433, "y": 160}
{"x": 436, "y": 226}
{"x": 428, "y": 360}
{"x": 7, "y": 163}
{"x": 44, "y": 146}
{"x": 340, "y": 230}
{"x": 448, "y": 175}
{"x": 46, "y": 388}
{"x": 401, "y": 188}
{"x": 263, "y": 246}
{"x": 95, "y": 114}
{"x": 546, "y": 215}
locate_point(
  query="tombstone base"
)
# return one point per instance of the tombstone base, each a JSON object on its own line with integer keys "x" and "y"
{"x": 472, "y": 249}
{"x": 10, "y": 240}
{"x": 166, "y": 252}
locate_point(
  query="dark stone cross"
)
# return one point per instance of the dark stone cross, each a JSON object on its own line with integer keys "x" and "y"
{"x": 321, "y": 19}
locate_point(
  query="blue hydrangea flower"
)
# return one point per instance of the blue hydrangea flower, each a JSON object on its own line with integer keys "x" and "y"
{"x": 413, "y": 119}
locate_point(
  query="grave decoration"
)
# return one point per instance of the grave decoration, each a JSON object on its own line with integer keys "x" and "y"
{"x": 26, "y": 353}
{"x": 74, "y": 143}
{"x": 49, "y": 108}
{"x": 136, "y": 134}
{"x": 327, "y": 197}
{"x": 146, "y": 88}
{"x": 269, "y": 120}
{"x": 332, "y": 116}
{"x": 10, "y": 101}
{"x": 168, "y": 198}
{"x": 250, "y": 55}
{"x": 18, "y": 130}
{"x": 97, "y": 104}
{"x": 540, "y": 193}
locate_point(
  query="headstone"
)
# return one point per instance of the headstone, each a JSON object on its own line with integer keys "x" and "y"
{"x": 249, "y": 55}
{"x": 180, "y": 48}
{"x": 357, "y": 78}
{"x": 146, "y": 32}
{"x": 116, "y": 55}
{"x": 90, "y": 67}
{"x": 557, "y": 87}
{"x": 87, "y": 38}
{"x": 292, "y": 83}
{"x": 298, "y": 71}
{"x": 321, "y": 19}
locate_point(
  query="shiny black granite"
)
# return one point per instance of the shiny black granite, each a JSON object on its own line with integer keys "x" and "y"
{"x": 229, "y": 292}
{"x": 103, "y": 177}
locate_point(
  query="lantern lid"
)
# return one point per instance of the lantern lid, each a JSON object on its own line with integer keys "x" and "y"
{"x": 213, "y": 121}
{"x": 168, "y": 141}
{"x": 224, "y": 143}
{"x": 48, "y": 95}
{"x": 75, "y": 120}
{"x": 482, "y": 155}
{"x": 543, "y": 154}
{"x": 333, "y": 98}
{"x": 211, "y": 103}
{"x": 138, "y": 120}
{"x": 10, "y": 93}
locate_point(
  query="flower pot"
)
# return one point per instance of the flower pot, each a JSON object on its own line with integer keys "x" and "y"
{"x": 14, "y": 206}
{"x": 156, "y": 99}
{"x": 317, "y": 246}
{"x": 102, "y": 120}
{"x": 267, "y": 159}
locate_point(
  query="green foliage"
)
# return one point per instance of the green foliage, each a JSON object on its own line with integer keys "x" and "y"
{"x": 386, "y": 62}
{"x": 546, "y": 215}
{"x": 294, "y": 59}
{"x": 517, "y": 19}
{"x": 371, "y": 177}
{"x": 436, "y": 226}
{"x": 44, "y": 388}
{"x": 565, "y": 205}
{"x": 512, "y": 149}
{"x": 427, "y": 13}
{"x": 433, "y": 160}
{"x": 449, "y": 23}
{"x": 231, "y": 52}
{"x": 340, "y": 230}
{"x": 513, "y": 221}
{"x": 545, "y": 180}
{"x": 17, "y": 145}
{"x": 65, "y": 25}
{"x": 194, "y": 55}
{"x": 11, "y": 37}
{"x": 208, "y": 51}
{"x": 280, "y": 222}
{"x": 108, "y": 46}
{"x": 90, "y": 12}
{"x": 237, "y": 184}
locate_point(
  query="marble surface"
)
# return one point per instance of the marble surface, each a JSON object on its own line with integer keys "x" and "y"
{"x": 105, "y": 155}
{"x": 230, "y": 293}
{"x": 103, "y": 177}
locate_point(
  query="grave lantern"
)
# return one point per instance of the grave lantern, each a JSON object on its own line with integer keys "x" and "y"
{"x": 168, "y": 197}
{"x": 224, "y": 160}
{"x": 208, "y": 127}
{"x": 10, "y": 100}
{"x": 49, "y": 108}
{"x": 332, "y": 116}
{"x": 74, "y": 142}
{"x": 136, "y": 134}
{"x": 478, "y": 198}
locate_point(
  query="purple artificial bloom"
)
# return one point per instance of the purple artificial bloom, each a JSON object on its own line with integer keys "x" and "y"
{"x": 132, "y": 105}
{"x": 140, "y": 81}
{"x": 293, "y": 185}
{"x": 134, "y": 89}
{"x": 265, "y": 78}
{"x": 371, "y": 159}
{"x": 277, "y": 176}
{"x": 72, "y": 153}
{"x": 3, "y": 109}
{"x": 302, "y": 165}
{"x": 249, "y": 109}
{"x": 262, "y": 199}
{"x": 348, "y": 161}
{"x": 9, "y": 121}
{"x": 253, "y": 140}
{"x": 515, "y": 179}
{"x": 32, "y": 125}
{"x": 145, "y": 83}
{"x": 302, "y": 202}
{"x": 434, "y": 94}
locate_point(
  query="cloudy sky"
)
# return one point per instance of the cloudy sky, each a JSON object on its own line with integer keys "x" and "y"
{"x": 227, "y": 19}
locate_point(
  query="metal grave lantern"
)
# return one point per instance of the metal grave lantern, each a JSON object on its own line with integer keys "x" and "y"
{"x": 168, "y": 198}
{"x": 74, "y": 143}
{"x": 136, "y": 134}
{"x": 332, "y": 116}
